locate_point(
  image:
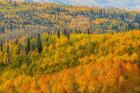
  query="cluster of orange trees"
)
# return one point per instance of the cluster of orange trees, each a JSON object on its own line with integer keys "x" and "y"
{"x": 74, "y": 63}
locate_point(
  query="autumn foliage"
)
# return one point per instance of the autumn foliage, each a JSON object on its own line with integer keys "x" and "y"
{"x": 98, "y": 63}
{"x": 52, "y": 48}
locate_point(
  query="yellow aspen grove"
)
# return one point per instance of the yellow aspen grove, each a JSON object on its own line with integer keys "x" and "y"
{"x": 69, "y": 46}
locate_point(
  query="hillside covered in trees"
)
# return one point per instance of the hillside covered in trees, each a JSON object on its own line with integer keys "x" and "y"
{"x": 52, "y": 17}
{"x": 79, "y": 63}
{"x": 51, "y": 48}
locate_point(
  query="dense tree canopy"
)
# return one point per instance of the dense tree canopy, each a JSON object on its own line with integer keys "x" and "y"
{"x": 51, "y": 48}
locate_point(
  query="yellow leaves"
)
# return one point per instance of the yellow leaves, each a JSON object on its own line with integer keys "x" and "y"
{"x": 106, "y": 71}
{"x": 45, "y": 15}
{"x": 35, "y": 53}
{"x": 44, "y": 87}
{"x": 60, "y": 42}
{"x": 7, "y": 87}
{"x": 6, "y": 59}
{"x": 134, "y": 57}
{"x": 121, "y": 50}
{"x": 103, "y": 20}
{"x": 100, "y": 20}
{"x": 88, "y": 59}
{"x": 71, "y": 80}
{"x": 24, "y": 87}
{"x": 34, "y": 88}
{"x": 16, "y": 51}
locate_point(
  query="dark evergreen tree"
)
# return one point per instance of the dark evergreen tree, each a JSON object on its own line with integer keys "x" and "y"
{"x": 39, "y": 44}
{"x": 7, "y": 55}
{"x": 19, "y": 49}
{"x": 7, "y": 49}
{"x": 58, "y": 34}
{"x": 27, "y": 45}
{"x": 88, "y": 31}
{"x": 66, "y": 33}
{"x": 68, "y": 36}
{"x": 1, "y": 45}
{"x": 130, "y": 49}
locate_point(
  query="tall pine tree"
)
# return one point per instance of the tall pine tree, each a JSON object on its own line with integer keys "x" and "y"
{"x": 39, "y": 44}
{"x": 27, "y": 45}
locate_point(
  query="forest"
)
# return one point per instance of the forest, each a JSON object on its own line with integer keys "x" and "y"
{"x": 53, "y": 48}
